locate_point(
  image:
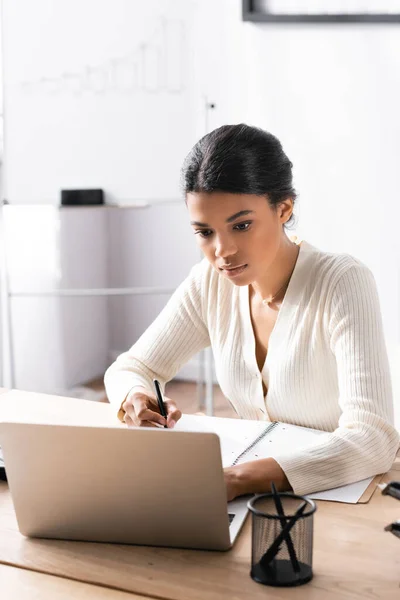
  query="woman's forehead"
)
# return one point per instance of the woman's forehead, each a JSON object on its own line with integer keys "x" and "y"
{"x": 224, "y": 204}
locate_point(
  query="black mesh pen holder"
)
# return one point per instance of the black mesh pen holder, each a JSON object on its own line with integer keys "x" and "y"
{"x": 282, "y": 539}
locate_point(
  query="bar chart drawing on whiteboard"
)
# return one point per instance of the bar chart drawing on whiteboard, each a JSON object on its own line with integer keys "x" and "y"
{"x": 154, "y": 66}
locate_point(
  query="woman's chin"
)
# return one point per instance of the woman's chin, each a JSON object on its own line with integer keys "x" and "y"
{"x": 240, "y": 278}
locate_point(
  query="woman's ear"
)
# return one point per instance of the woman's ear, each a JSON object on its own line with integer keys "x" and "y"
{"x": 285, "y": 210}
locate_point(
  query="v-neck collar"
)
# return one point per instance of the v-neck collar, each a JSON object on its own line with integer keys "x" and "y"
{"x": 285, "y": 314}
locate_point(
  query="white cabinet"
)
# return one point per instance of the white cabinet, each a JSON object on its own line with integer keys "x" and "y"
{"x": 85, "y": 282}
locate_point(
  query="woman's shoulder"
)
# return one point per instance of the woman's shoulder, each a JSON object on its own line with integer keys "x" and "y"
{"x": 330, "y": 267}
{"x": 336, "y": 282}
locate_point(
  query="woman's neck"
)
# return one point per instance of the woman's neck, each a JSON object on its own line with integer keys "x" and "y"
{"x": 272, "y": 287}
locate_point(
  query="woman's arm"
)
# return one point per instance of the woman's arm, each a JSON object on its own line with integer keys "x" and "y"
{"x": 179, "y": 332}
{"x": 365, "y": 441}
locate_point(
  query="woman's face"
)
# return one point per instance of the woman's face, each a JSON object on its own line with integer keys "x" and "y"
{"x": 240, "y": 234}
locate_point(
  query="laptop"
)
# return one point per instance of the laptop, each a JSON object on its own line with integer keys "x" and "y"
{"x": 147, "y": 486}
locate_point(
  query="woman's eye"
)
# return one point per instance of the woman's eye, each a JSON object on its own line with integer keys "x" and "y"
{"x": 204, "y": 233}
{"x": 242, "y": 226}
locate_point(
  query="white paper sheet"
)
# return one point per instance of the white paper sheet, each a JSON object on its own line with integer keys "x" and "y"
{"x": 346, "y": 493}
{"x": 237, "y": 434}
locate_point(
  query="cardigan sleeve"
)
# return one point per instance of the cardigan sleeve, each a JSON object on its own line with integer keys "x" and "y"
{"x": 365, "y": 442}
{"x": 179, "y": 332}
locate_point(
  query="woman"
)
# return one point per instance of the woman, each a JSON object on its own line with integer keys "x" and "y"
{"x": 296, "y": 333}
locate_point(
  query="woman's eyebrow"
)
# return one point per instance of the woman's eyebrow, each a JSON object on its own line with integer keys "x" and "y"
{"x": 241, "y": 213}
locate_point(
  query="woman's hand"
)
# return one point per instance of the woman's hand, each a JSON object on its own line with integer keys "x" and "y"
{"x": 141, "y": 410}
{"x": 234, "y": 486}
{"x": 254, "y": 478}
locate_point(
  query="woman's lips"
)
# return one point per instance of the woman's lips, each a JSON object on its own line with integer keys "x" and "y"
{"x": 236, "y": 271}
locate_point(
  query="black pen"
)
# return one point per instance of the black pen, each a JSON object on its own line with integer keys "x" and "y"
{"x": 394, "y": 528}
{"x": 160, "y": 399}
{"x": 288, "y": 539}
{"x": 390, "y": 489}
{"x": 275, "y": 546}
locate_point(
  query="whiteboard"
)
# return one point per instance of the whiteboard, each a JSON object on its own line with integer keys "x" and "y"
{"x": 98, "y": 93}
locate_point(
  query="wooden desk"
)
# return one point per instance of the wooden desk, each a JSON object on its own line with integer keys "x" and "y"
{"x": 354, "y": 558}
{"x": 20, "y": 584}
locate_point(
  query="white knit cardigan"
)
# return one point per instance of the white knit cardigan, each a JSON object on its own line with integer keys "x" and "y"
{"x": 326, "y": 366}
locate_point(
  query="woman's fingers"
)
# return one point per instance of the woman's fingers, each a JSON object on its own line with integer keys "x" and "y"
{"x": 173, "y": 413}
{"x": 132, "y": 424}
{"x": 145, "y": 410}
{"x": 129, "y": 421}
{"x": 141, "y": 410}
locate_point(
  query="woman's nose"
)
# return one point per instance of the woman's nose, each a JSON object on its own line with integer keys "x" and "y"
{"x": 224, "y": 248}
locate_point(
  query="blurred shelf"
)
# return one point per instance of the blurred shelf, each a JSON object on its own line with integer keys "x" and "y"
{"x": 258, "y": 12}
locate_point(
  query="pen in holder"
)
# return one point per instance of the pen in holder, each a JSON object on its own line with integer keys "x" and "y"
{"x": 392, "y": 489}
{"x": 282, "y": 538}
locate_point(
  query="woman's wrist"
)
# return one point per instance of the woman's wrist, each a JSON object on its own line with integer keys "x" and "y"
{"x": 256, "y": 477}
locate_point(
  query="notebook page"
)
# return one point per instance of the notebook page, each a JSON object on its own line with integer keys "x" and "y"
{"x": 234, "y": 434}
{"x": 282, "y": 438}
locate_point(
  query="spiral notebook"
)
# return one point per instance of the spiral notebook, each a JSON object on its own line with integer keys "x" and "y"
{"x": 243, "y": 440}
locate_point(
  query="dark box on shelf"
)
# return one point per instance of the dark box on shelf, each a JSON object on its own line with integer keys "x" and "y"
{"x": 82, "y": 197}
